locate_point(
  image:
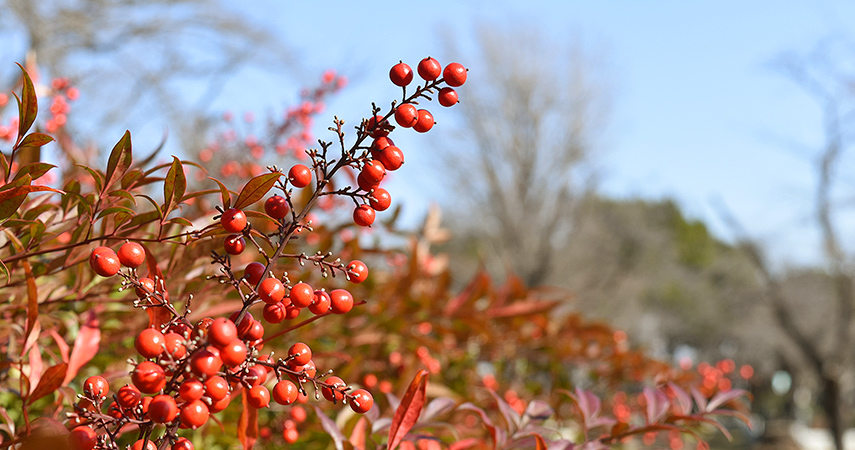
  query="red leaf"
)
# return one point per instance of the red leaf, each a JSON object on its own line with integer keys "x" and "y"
{"x": 36, "y": 365}
{"x": 60, "y": 342}
{"x": 464, "y": 444}
{"x": 331, "y": 428}
{"x": 24, "y": 190}
{"x": 156, "y": 316}
{"x": 28, "y": 106}
{"x": 521, "y": 308}
{"x": 657, "y": 404}
{"x": 255, "y": 189}
{"x": 85, "y": 346}
{"x": 475, "y": 289}
{"x": 724, "y": 397}
{"x": 50, "y": 381}
{"x": 357, "y": 436}
{"x": 409, "y": 410}
{"x": 497, "y": 434}
{"x": 540, "y": 444}
{"x": 119, "y": 162}
{"x": 248, "y": 423}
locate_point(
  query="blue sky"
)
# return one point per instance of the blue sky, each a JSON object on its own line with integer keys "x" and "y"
{"x": 700, "y": 114}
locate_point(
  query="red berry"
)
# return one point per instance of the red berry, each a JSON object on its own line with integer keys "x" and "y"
{"x": 150, "y": 343}
{"x": 379, "y": 144}
{"x": 182, "y": 443}
{"x": 104, "y": 261}
{"x": 298, "y": 414}
{"x": 373, "y": 171}
{"x": 146, "y": 289}
{"x": 363, "y": 215}
{"x": 300, "y": 176}
{"x": 217, "y": 388}
{"x": 233, "y": 220}
{"x": 220, "y": 404}
{"x": 148, "y": 377}
{"x": 357, "y": 271}
{"x": 447, "y": 97}
{"x": 340, "y": 301}
{"x": 406, "y": 115}
{"x": 233, "y": 353}
{"x": 292, "y": 311}
{"x": 253, "y": 273}
{"x": 301, "y": 353}
{"x": 191, "y": 389}
{"x": 290, "y": 435}
{"x": 138, "y": 445}
{"x": 332, "y": 392}
{"x": 429, "y": 69}
{"x": 246, "y": 323}
{"x": 306, "y": 371}
{"x": 206, "y": 363}
{"x": 302, "y": 295}
{"x": 320, "y": 303}
{"x": 276, "y": 207}
{"x": 258, "y": 397}
{"x": 361, "y": 401}
{"x": 96, "y": 386}
{"x": 364, "y": 183}
{"x": 274, "y": 313}
{"x": 255, "y": 332}
{"x": 454, "y": 74}
{"x": 392, "y": 158}
{"x": 284, "y": 392}
{"x": 174, "y": 344}
{"x": 234, "y": 244}
{"x": 425, "y": 122}
{"x": 194, "y": 414}
{"x": 222, "y": 332}
{"x": 381, "y": 200}
{"x": 82, "y": 438}
{"x": 128, "y": 396}
{"x": 271, "y": 291}
{"x": 256, "y": 375}
{"x": 162, "y": 409}
{"x": 131, "y": 254}
{"x": 401, "y": 74}
{"x": 377, "y": 127}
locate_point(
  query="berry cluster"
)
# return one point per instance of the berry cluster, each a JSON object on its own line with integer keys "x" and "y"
{"x": 190, "y": 370}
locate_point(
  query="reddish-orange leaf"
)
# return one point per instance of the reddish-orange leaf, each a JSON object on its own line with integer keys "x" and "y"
{"x": 50, "y": 381}
{"x": 255, "y": 189}
{"x": 85, "y": 346}
{"x": 248, "y": 423}
{"x": 476, "y": 288}
{"x": 539, "y": 440}
{"x": 409, "y": 410}
{"x": 32, "y": 299}
{"x": 156, "y": 316}
{"x": 357, "y": 436}
{"x": 60, "y": 342}
{"x": 36, "y": 366}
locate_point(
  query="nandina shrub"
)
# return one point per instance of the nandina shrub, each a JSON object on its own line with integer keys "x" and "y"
{"x": 239, "y": 297}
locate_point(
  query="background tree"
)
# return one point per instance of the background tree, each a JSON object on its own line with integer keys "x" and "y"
{"x": 532, "y": 125}
{"x": 131, "y": 57}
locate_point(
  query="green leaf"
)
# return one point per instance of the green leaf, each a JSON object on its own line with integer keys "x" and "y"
{"x": 115, "y": 210}
{"x": 122, "y": 194}
{"x": 99, "y": 180}
{"x": 173, "y": 186}
{"x": 224, "y": 193}
{"x": 120, "y": 160}
{"x": 35, "y": 170}
{"x": 4, "y": 165}
{"x": 255, "y": 189}
{"x": 35, "y": 140}
{"x": 28, "y": 106}
{"x": 179, "y": 221}
{"x": 131, "y": 177}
